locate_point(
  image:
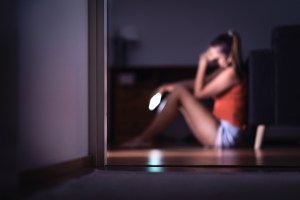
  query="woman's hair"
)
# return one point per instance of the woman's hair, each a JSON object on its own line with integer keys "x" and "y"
{"x": 230, "y": 43}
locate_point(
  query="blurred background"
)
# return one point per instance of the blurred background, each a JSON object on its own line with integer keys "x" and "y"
{"x": 153, "y": 42}
{"x": 45, "y": 71}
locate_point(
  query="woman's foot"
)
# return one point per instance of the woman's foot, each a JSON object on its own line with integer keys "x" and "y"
{"x": 138, "y": 143}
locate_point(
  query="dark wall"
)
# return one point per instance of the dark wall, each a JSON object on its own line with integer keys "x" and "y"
{"x": 176, "y": 31}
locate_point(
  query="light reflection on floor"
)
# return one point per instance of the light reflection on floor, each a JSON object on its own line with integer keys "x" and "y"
{"x": 156, "y": 158}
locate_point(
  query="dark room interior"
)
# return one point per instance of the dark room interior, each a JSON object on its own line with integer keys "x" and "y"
{"x": 77, "y": 77}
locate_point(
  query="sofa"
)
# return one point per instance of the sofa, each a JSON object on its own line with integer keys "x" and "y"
{"x": 273, "y": 88}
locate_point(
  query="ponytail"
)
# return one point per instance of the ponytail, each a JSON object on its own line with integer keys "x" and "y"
{"x": 236, "y": 53}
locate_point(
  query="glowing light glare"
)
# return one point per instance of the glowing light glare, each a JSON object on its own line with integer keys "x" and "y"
{"x": 154, "y": 159}
{"x": 155, "y": 101}
{"x": 155, "y": 169}
{"x": 161, "y": 105}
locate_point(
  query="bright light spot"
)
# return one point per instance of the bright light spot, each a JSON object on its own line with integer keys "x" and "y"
{"x": 155, "y": 158}
{"x": 155, "y": 101}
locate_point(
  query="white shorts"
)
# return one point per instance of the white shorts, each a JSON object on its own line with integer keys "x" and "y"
{"x": 228, "y": 135}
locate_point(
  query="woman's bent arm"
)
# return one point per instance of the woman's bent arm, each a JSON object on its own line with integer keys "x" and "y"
{"x": 199, "y": 81}
{"x": 225, "y": 80}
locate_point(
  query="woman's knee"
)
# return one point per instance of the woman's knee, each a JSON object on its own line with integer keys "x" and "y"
{"x": 179, "y": 89}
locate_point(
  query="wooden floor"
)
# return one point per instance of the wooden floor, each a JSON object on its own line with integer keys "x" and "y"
{"x": 201, "y": 157}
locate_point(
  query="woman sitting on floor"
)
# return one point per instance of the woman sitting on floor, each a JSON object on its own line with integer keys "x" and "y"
{"x": 227, "y": 86}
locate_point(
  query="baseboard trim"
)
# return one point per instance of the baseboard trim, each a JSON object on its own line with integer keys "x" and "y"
{"x": 53, "y": 173}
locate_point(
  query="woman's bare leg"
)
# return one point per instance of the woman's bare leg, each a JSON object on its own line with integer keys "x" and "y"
{"x": 196, "y": 127}
{"x": 203, "y": 124}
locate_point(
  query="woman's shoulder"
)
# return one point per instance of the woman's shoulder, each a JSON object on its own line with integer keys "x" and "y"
{"x": 240, "y": 79}
{"x": 232, "y": 75}
{"x": 231, "y": 71}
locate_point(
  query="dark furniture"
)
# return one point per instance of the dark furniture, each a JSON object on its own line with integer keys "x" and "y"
{"x": 274, "y": 82}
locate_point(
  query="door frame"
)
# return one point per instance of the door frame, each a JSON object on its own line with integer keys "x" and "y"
{"x": 97, "y": 81}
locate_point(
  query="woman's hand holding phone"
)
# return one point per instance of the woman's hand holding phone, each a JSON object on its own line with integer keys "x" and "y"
{"x": 165, "y": 88}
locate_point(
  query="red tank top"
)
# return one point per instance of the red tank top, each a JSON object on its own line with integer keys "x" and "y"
{"x": 231, "y": 105}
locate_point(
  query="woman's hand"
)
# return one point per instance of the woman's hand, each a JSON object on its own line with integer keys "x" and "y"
{"x": 165, "y": 88}
{"x": 203, "y": 60}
